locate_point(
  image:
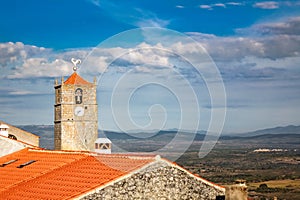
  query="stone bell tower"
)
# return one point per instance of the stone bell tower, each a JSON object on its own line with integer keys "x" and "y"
{"x": 76, "y": 113}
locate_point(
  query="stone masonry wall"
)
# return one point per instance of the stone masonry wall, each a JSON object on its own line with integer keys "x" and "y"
{"x": 158, "y": 181}
{"x": 74, "y": 132}
{"x": 22, "y": 135}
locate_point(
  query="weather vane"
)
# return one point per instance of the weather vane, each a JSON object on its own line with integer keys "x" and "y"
{"x": 75, "y": 62}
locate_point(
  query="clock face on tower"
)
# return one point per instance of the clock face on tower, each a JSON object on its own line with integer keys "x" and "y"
{"x": 79, "y": 111}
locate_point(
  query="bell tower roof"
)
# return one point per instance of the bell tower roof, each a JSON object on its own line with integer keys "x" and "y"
{"x": 75, "y": 79}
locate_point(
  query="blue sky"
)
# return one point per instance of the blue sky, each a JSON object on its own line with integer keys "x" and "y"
{"x": 255, "y": 45}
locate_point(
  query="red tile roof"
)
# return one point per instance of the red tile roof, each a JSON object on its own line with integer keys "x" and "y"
{"x": 75, "y": 79}
{"x": 62, "y": 174}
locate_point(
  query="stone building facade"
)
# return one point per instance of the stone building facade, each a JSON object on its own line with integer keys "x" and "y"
{"x": 76, "y": 114}
{"x": 159, "y": 180}
{"x": 9, "y": 146}
{"x": 22, "y": 135}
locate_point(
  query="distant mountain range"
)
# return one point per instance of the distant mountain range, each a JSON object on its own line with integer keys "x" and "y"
{"x": 46, "y": 133}
{"x": 291, "y": 129}
{"x": 287, "y": 134}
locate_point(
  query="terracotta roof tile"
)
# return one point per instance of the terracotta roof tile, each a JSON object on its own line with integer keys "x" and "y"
{"x": 75, "y": 79}
{"x": 62, "y": 174}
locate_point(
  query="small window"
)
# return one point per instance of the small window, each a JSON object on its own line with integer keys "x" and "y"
{"x": 220, "y": 197}
{"x": 11, "y": 136}
{"x": 104, "y": 146}
{"x": 27, "y": 163}
{"x": 8, "y": 162}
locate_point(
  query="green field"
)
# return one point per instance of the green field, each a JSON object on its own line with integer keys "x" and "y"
{"x": 280, "y": 171}
{"x": 287, "y": 183}
{"x": 268, "y": 174}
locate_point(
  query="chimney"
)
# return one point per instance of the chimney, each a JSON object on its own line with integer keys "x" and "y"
{"x": 4, "y": 130}
{"x": 103, "y": 145}
{"x": 238, "y": 191}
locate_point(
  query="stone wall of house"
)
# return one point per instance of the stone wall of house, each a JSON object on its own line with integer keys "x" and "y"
{"x": 22, "y": 135}
{"x": 9, "y": 146}
{"x": 159, "y": 181}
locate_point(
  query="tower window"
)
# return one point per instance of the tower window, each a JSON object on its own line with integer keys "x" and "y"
{"x": 78, "y": 96}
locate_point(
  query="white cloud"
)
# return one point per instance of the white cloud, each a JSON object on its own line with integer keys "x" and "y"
{"x": 41, "y": 67}
{"x": 154, "y": 22}
{"x": 27, "y": 61}
{"x": 202, "y": 36}
{"x": 290, "y": 26}
{"x": 128, "y": 13}
{"x": 21, "y": 92}
{"x": 186, "y": 48}
{"x": 95, "y": 2}
{"x": 147, "y": 57}
{"x": 275, "y": 47}
{"x": 141, "y": 55}
{"x": 275, "y": 40}
{"x": 267, "y": 5}
{"x": 234, "y": 3}
{"x": 229, "y": 48}
{"x": 94, "y": 65}
{"x": 278, "y": 39}
{"x": 142, "y": 69}
{"x": 145, "y": 18}
{"x": 180, "y": 6}
{"x": 56, "y": 64}
{"x": 20, "y": 61}
{"x": 219, "y": 5}
{"x": 14, "y": 52}
{"x": 260, "y": 71}
{"x": 208, "y": 7}
{"x": 150, "y": 54}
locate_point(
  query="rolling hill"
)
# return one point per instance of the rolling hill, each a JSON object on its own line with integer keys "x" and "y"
{"x": 278, "y": 135}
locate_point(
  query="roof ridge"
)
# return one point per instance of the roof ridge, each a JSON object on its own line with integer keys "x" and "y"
{"x": 19, "y": 141}
{"x": 131, "y": 156}
{"x": 15, "y": 127}
{"x": 75, "y": 79}
{"x": 192, "y": 174}
{"x": 136, "y": 156}
{"x": 124, "y": 176}
{"x": 60, "y": 151}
